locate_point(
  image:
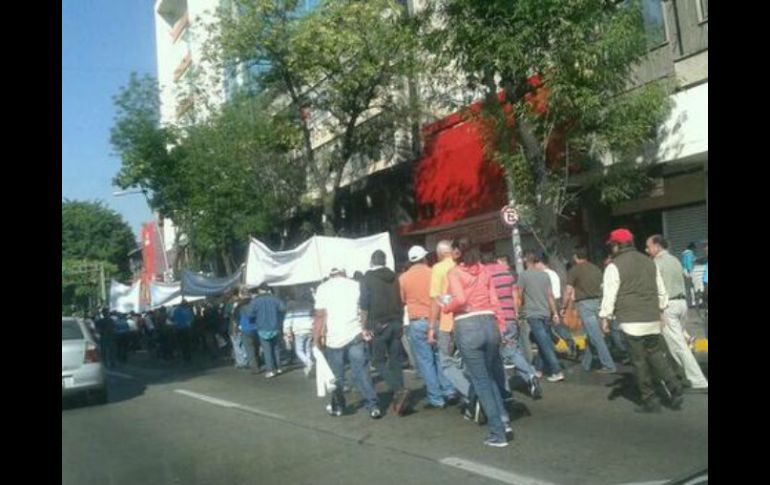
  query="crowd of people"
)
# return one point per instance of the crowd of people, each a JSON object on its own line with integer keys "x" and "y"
{"x": 465, "y": 321}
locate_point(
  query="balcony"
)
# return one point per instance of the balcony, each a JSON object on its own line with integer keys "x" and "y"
{"x": 184, "y": 106}
{"x": 180, "y": 26}
{"x": 183, "y": 66}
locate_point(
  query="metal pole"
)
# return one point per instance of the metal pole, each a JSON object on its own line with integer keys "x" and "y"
{"x": 517, "y": 254}
{"x": 102, "y": 283}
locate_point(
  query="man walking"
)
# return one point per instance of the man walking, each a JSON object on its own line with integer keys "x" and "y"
{"x": 339, "y": 329}
{"x": 414, "y": 285}
{"x": 634, "y": 292}
{"x": 676, "y": 313}
{"x": 381, "y": 314}
{"x": 559, "y": 330}
{"x": 440, "y": 330}
{"x": 507, "y": 294}
{"x": 539, "y": 308}
{"x": 688, "y": 266}
{"x": 584, "y": 282}
{"x": 106, "y": 328}
{"x": 267, "y": 312}
{"x": 183, "y": 320}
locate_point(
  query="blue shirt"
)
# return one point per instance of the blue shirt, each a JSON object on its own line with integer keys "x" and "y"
{"x": 688, "y": 260}
{"x": 268, "y": 312}
{"x": 706, "y": 274}
{"x": 244, "y": 319}
{"x": 183, "y": 316}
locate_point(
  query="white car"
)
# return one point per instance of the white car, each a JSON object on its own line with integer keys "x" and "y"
{"x": 82, "y": 372}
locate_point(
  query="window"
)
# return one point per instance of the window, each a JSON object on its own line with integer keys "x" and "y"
{"x": 704, "y": 9}
{"x": 70, "y": 330}
{"x": 654, "y": 22}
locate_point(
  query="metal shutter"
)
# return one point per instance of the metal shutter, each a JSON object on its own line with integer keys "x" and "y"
{"x": 685, "y": 225}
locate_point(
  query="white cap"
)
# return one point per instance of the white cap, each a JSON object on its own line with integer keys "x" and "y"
{"x": 416, "y": 253}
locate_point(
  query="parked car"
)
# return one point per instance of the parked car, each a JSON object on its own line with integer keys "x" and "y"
{"x": 82, "y": 372}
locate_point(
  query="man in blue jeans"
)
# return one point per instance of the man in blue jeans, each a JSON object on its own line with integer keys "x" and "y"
{"x": 584, "y": 282}
{"x": 268, "y": 312}
{"x": 338, "y": 328}
{"x": 539, "y": 308}
{"x": 414, "y": 286}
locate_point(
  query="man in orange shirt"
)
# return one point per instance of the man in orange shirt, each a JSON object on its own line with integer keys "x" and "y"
{"x": 415, "y": 294}
{"x": 439, "y": 289}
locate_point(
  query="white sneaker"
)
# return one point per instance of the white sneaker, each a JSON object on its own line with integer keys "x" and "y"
{"x": 555, "y": 377}
{"x": 270, "y": 375}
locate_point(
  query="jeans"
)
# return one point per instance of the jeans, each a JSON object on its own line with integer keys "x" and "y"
{"x": 386, "y": 346}
{"x": 239, "y": 352}
{"x": 511, "y": 352}
{"x": 478, "y": 339}
{"x": 437, "y": 385}
{"x": 250, "y": 341}
{"x": 109, "y": 351}
{"x": 539, "y": 326}
{"x": 525, "y": 344}
{"x": 617, "y": 338}
{"x": 450, "y": 367}
{"x": 358, "y": 356}
{"x": 303, "y": 347}
{"x": 271, "y": 348}
{"x": 589, "y": 314}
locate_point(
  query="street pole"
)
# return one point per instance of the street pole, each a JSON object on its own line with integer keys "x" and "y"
{"x": 102, "y": 283}
{"x": 517, "y": 254}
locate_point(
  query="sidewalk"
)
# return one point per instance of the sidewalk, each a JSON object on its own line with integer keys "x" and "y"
{"x": 695, "y": 327}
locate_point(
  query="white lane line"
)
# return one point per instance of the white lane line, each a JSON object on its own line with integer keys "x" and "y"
{"x": 492, "y": 472}
{"x": 228, "y": 404}
{"x": 655, "y": 482}
{"x": 119, "y": 374}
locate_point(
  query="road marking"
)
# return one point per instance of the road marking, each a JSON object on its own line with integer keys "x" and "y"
{"x": 491, "y": 472}
{"x": 228, "y": 404}
{"x": 656, "y": 482}
{"x": 119, "y": 374}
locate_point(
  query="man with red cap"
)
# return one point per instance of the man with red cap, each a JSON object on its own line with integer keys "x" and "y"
{"x": 634, "y": 293}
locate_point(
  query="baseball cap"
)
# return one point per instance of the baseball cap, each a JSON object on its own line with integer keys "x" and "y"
{"x": 620, "y": 236}
{"x": 336, "y": 271}
{"x": 416, "y": 253}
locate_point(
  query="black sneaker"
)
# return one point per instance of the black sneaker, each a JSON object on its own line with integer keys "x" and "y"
{"x": 452, "y": 400}
{"x": 534, "y": 388}
{"x": 375, "y": 413}
{"x": 435, "y": 406}
{"x": 677, "y": 401}
{"x": 494, "y": 442}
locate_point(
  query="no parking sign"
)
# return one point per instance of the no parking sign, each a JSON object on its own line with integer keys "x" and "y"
{"x": 510, "y": 216}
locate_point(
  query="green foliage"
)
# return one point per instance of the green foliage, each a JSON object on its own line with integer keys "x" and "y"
{"x": 584, "y": 53}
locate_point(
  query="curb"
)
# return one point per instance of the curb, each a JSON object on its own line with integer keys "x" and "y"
{"x": 701, "y": 345}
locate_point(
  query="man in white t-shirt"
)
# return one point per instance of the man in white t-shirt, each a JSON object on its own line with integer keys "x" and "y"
{"x": 557, "y": 330}
{"x": 338, "y": 329}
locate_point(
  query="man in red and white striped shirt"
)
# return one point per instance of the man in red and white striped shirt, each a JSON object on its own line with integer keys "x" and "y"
{"x": 511, "y": 352}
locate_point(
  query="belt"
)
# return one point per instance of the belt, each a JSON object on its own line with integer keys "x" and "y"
{"x": 678, "y": 297}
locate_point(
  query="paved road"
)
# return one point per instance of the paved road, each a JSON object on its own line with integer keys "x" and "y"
{"x": 170, "y": 424}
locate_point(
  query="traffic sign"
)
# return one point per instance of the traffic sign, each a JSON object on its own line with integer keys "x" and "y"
{"x": 510, "y": 216}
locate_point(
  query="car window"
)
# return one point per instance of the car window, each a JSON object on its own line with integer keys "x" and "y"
{"x": 70, "y": 330}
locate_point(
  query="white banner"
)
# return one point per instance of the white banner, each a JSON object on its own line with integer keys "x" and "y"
{"x": 168, "y": 294}
{"x": 312, "y": 260}
{"x": 125, "y": 298}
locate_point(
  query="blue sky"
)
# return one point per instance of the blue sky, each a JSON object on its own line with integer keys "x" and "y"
{"x": 102, "y": 42}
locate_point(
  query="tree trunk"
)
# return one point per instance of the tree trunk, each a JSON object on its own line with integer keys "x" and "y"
{"x": 226, "y": 261}
{"x": 328, "y": 213}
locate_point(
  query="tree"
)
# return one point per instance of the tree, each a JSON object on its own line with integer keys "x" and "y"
{"x": 220, "y": 180}
{"x": 92, "y": 234}
{"x": 556, "y": 78}
{"x": 239, "y": 178}
{"x": 344, "y": 62}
